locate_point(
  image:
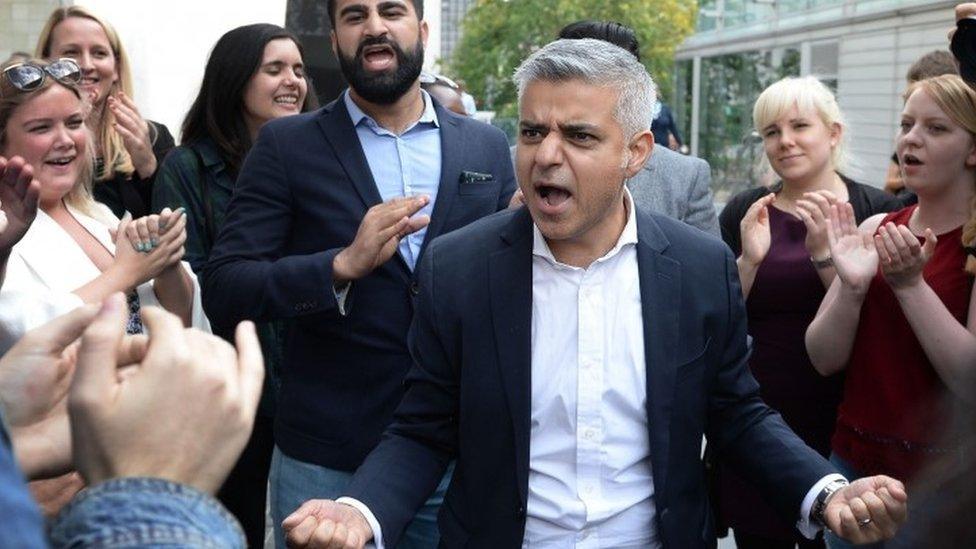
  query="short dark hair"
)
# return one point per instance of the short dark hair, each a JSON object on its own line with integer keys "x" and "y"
{"x": 608, "y": 31}
{"x": 218, "y": 110}
{"x": 418, "y": 6}
{"x": 933, "y": 63}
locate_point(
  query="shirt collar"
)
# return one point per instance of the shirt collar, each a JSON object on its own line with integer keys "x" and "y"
{"x": 429, "y": 116}
{"x": 628, "y": 237}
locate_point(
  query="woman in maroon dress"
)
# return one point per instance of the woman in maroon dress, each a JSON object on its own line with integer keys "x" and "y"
{"x": 901, "y": 317}
{"x": 779, "y": 237}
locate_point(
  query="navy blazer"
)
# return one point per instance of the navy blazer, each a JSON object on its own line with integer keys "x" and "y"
{"x": 469, "y": 392}
{"x": 303, "y": 190}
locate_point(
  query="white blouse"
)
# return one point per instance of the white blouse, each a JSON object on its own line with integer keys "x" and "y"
{"x": 47, "y": 265}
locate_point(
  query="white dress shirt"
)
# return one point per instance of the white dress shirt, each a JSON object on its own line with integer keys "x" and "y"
{"x": 590, "y": 482}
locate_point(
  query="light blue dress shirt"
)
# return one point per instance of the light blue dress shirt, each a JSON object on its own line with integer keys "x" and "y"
{"x": 403, "y": 165}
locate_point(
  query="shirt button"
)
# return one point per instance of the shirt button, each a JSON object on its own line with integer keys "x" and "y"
{"x": 589, "y": 434}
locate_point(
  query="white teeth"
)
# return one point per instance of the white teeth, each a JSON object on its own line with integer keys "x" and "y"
{"x": 287, "y": 100}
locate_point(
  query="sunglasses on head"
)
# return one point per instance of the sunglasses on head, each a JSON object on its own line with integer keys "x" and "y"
{"x": 30, "y": 76}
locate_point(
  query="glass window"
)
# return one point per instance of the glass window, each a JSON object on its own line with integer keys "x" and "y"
{"x": 730, "y": 85}
{"x": 681, "y": 103}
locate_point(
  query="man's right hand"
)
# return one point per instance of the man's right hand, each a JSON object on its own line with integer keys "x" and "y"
{"x": 325, "y": 523}
{"x": 378, "y": 236}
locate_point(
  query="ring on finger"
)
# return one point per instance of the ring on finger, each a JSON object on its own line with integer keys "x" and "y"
{"x": 864, "y": 522}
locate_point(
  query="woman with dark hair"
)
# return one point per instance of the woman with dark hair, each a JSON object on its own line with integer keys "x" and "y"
{"x": 255, "y": 73}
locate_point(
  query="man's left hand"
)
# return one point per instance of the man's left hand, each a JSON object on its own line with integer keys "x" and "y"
{"x": 868, "y": 510}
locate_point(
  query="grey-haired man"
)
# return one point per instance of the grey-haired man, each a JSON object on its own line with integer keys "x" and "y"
{"x": 571, "y": 354}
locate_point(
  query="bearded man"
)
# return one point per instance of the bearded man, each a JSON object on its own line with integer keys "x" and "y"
{"x": 333, "y": 210}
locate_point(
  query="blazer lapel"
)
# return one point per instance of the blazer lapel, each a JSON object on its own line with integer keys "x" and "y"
{"x": 660, "y": 287}
{"x": 47, "y": 248}
{"x": 510, "y": 288}
{"x": 452, "y": 151}
{"x": 339, "y": 131}
{"x": 95, "y": 228}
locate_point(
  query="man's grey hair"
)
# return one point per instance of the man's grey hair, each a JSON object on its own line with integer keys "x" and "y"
{"x": 599, "y": 63}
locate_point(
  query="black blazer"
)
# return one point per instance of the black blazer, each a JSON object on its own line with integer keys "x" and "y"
{"x": 468, "y": 395}
{"x": 302, "y": 192}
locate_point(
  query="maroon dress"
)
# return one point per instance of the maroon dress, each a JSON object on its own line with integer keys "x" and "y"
{"x": 784, "y": 298}
{"x": 895, "y": 407}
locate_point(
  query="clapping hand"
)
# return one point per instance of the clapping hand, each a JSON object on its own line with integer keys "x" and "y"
{"x": 378, "y": 236}
{"x": 139, "y": 261}
{"x": 19, "y": 193}
{"x": 868, "y": 510}
{"x": 814, "y": 210}
{"x": 854, "y": 254}
{"x": 135, "y": 134}
{"x": 903, "y": 257}
{"x": 754, "y": 231}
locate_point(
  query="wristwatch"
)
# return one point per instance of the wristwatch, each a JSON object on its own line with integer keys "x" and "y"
{"x": 822, "y": 263}
{"x": 820, "y": 504}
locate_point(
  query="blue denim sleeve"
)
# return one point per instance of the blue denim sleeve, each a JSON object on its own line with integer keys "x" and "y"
{"x": 145, "y": 512}
{"x": 22, "y": 525}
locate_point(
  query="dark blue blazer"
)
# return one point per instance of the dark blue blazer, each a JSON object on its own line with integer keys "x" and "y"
{"x": 303, "y": 190}
{"x": 468, "y": 394}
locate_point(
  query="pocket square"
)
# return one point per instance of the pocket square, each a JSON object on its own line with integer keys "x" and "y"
{"x": 476, "y": 177}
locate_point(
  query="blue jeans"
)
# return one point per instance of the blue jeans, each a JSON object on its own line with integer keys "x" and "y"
{"x": 834, "y": 542}
{"x": 294, "y": 482}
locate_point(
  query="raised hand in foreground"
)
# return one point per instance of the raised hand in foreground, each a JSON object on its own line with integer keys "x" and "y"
{"x": 182, "y": 410}
{"x": 34, "y": 378}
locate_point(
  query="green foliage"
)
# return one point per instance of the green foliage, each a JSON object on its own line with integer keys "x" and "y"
{"x": 499, "y": 34}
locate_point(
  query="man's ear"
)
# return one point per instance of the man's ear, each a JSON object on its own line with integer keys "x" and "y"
{"x": 332, "y": 38}
{"x": 640, "y": 148}
{"x": 424, "y": 32}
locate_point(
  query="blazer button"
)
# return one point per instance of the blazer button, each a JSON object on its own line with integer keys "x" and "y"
{"x": 521, "y": 511}
{"x": 414, "y": 289}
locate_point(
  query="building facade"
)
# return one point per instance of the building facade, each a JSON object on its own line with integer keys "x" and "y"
{"x": 860, "y": 48}
{"x": 20, "y": 24}
{"x": 452, "y": 18}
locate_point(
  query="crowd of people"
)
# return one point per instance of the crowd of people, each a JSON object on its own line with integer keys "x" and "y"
{"x": 441, "y": 340}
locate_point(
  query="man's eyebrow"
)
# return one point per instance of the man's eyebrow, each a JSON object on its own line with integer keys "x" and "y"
{"x": 530, "y": 125}
{"x": 353, "y": 8}
{"x": 390, "y": 4}
{"x": 577, "y": 127}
